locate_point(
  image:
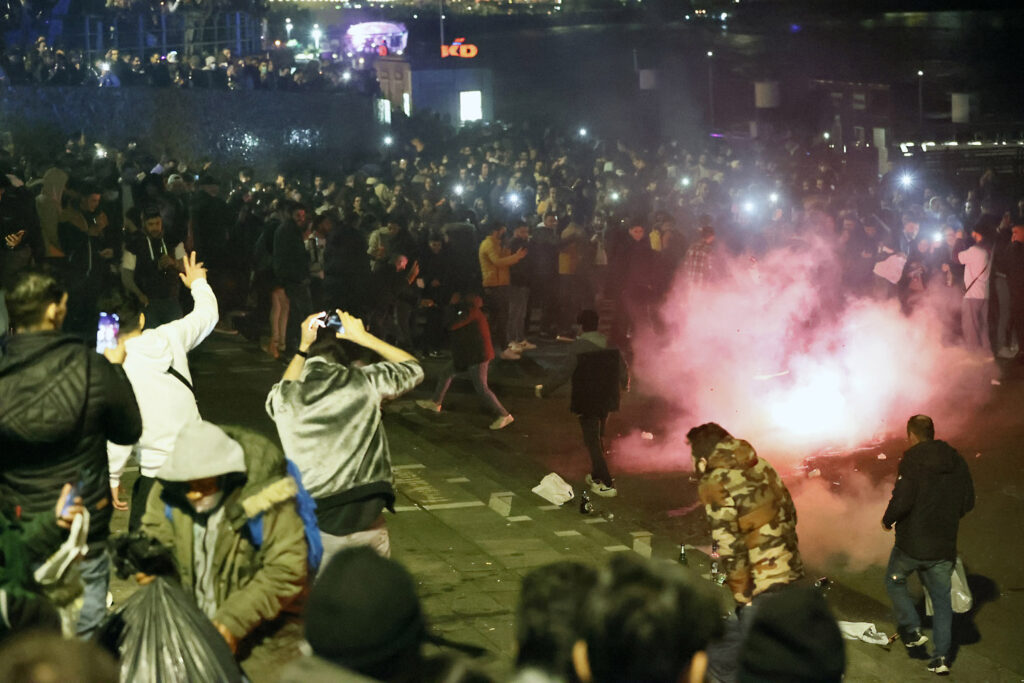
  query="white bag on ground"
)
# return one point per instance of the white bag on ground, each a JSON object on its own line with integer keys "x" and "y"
{"x": 959, "y": 591}
{"x": 862, "y": 630}
{"x": 554, "y": 489}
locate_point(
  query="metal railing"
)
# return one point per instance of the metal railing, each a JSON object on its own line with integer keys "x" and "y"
{"x": 186, "y": 32}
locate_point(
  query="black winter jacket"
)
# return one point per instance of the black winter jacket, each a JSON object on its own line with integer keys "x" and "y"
{"x": 933, "y": 491}
{"x": 60, "y": 402}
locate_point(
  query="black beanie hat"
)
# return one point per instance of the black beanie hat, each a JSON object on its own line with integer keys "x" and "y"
{"x": 793, "y": 638}
{"x": 363, "y": 610}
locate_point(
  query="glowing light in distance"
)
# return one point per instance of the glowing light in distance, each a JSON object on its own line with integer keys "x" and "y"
{"x": 774, "y": 197}
{"x": 459, "y": 189}
{"x": 710, "y": 53}
{"x": 346, "y": 76}
{"x": 100, "y": 152}
{"x": 937, "y": 237}
{"x": 614, "y": 196}
{"x": 748, "y": 206}
{"x": 104, "y": 67}
{"x": 906, "y": 180}
{"x": 583, "y": 132}
{"x": 388, "y": 140}
{"x": 826, "y": 135}
{"x": 685, "y": 181}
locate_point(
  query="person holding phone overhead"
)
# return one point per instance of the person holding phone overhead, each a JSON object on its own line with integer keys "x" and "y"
{"x": 327, "y": 412}
{"x": 60, "y": 402}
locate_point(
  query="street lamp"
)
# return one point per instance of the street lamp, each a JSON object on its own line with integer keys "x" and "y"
{"x": 920, "y": 100}
{"x": 317, "y": 34}
{"x": 288, "y": 26}
{"x": 711, "y": 89}
{"x": 388, "y": 140}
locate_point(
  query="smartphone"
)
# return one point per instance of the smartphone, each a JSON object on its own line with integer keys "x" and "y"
{"x": 334, "y": 323}
{"x": 75, "y": 492}
{"x": 106, "y": 332}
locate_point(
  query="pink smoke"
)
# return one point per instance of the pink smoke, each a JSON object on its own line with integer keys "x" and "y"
{"x": 779, "y": 355}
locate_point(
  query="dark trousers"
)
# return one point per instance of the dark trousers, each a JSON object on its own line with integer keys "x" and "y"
{"x": 140, "y": 494}
{"x": 300, "y": 307}
{"x": 496, "y": 300}
{"x": 593, "y": 436}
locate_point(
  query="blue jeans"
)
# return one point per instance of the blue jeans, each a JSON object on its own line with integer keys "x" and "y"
{"x": 95, "y": 573}
{"x": 936, "y": 576}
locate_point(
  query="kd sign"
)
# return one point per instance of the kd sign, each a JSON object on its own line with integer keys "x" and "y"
{"x": 459, "y": 48}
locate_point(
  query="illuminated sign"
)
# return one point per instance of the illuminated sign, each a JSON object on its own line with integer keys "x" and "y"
{"x": 376, "y": 37}
{"x": 459, "y": 48}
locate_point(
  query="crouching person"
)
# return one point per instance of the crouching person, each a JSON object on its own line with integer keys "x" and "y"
{"x": 224, "y": 504}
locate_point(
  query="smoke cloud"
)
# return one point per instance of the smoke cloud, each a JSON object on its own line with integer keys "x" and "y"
{"x": 778, "y": 354}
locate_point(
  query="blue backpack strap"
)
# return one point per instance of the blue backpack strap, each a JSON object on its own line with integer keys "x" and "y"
{"x": 306, "y": 507}
{"x": 255, "y": 527}
{"x": 167, "y": 512}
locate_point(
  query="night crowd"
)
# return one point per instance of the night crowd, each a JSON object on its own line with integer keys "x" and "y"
{"x": 218, "y": 70}
{"x": 466, "y": 247}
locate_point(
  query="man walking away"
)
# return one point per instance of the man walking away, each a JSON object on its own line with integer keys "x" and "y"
{"x": 328, "y": 415}
{"x": 933, "y": 491}
{"x": 598, "y": 373}
{"x": 60, "y": 402}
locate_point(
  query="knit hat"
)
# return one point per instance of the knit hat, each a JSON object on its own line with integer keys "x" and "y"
{"x": 363, "y": 610}
{"x": 793, "y": 638}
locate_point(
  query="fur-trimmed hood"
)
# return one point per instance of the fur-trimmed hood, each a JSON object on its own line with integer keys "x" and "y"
{"x": 264, "y": 484}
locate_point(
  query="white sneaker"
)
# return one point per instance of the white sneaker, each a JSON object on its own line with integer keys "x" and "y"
{"x": 502, "y": 422}
{"x": 600, "y": 488}
{"x": 526, "y": 346}
{"x": 1007, "y": 352}
{"x": 427, "y": 404}
{"x": 509, "y": 354}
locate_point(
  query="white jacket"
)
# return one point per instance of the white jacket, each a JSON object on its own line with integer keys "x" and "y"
{"x": 165, "y": 403}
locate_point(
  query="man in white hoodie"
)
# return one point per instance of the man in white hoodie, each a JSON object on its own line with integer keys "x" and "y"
{"x": 156, "y": 363}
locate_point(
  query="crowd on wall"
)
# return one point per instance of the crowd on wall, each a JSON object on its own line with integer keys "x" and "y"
{"x": 535, "y": 224}
{"x": 220, "y": 70}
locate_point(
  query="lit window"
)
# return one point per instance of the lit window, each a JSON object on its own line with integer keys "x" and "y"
{"x": 407, "y": 103}
{"x": 470, "y": 105}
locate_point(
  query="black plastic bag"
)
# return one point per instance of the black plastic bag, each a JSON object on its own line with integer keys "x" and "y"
{"x": 159, "y": 634}
{"x": 137, "y": 552}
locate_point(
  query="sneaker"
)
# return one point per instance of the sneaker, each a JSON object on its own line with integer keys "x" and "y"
{"x": 502, "y": 422}
{"x": 427, "y": 404}
{"x": 913, "y": 637}
{"x": 526, "y": 346}
{"x": 1007, "y": 352}
{"x": 600, "y": 488}
{"x": 509, "y": 354}
{"x": 939, "y": 665}
{"x": 515, "y": 347}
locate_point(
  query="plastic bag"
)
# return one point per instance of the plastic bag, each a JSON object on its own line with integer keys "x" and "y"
{"x": 959, "y": 592}
{"x": 863, "y": 630}
{"x": 554, "y": 489}
{"x": 59, "y": 577}
{"x": 159, "y": 634}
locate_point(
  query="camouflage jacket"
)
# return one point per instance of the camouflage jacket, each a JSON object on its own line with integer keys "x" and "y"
{"x": 752, "y": 518}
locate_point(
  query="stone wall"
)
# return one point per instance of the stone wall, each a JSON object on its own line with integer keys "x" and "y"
{"x": 268, "y": 130}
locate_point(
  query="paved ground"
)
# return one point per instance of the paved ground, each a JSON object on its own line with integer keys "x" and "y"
{"x": 469, "y": 527}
